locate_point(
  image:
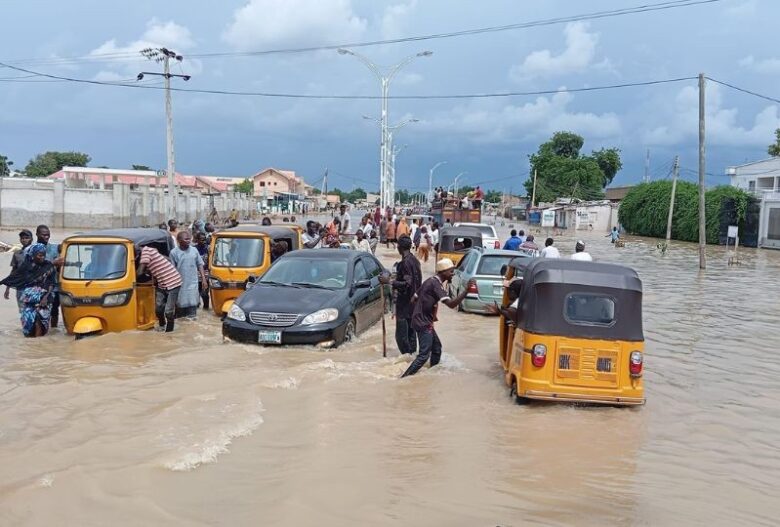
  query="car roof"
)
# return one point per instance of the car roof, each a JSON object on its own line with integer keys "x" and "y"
{"x": 498, "y": 252}
{"x": 332, "y": 254}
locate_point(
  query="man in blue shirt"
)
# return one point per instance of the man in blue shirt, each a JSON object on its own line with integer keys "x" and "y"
{"x": 514, "y": 242}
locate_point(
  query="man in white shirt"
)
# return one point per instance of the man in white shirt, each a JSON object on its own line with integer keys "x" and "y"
{"x": 413, "y": 229}
{"x": 360, "y": 243}
{"x": 549, "y": 251}
{"x": 579, "y": 252}
{"x": 344, "y": 218}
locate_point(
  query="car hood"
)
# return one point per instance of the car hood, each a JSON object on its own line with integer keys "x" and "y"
{"x": 289, "y": 299}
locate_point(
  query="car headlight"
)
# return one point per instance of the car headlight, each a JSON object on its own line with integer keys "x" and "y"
{"x": 323, "y": 315}
{"x": 116, "y": 299}
{"x": 214, "y": 283}
{"x": 66, "y": 300}
{"x": 236, "y": 313}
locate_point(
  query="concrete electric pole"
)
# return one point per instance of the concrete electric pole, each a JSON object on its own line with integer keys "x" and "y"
{"x": 702, "y": 204}
{"x": 165, "y": 55}
{"x": 671, "y": 201}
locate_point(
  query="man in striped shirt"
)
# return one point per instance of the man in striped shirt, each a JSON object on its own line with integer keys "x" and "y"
{"x": 167, "y": 281}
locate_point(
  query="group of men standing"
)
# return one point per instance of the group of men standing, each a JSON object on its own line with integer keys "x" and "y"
{"x": 416, "y": 305}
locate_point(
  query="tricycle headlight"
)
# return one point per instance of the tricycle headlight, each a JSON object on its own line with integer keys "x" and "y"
{"x": 66, "y": 300}
{"x": 323, "y": 315}
{"x": 115, "y": 299}
{"x": 214, "y": 283}
{"x": 236, "y": 313}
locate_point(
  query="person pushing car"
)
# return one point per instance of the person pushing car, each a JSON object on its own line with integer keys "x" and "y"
{"x": 426, "y": 307}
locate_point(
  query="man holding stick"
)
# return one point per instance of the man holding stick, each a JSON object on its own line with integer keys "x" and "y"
{"x": 407, "y": 282}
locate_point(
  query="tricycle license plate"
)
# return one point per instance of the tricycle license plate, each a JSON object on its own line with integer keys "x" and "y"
{"x": 269, "y": 337}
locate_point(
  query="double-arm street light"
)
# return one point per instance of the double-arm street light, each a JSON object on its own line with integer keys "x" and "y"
{"x": 455, "y": 183}
{"x": 384, "y": 78}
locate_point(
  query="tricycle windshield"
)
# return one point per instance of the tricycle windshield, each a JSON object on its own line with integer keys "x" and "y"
{"x": 238, "y": 252}
{"x": 95, "y": 261}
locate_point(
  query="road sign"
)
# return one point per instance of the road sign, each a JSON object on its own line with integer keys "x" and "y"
{"x": 733, "y": 231}
{"x": 161, "y": 173}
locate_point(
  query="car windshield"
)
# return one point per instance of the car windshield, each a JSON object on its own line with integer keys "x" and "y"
{"x": 491, "y": 265}
{"x": 315, "y": 271}
{"x": 95, "y": 261}
{"x": 238, "y": 252}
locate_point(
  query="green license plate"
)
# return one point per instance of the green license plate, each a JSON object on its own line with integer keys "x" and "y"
{"x": 269, "y": 337}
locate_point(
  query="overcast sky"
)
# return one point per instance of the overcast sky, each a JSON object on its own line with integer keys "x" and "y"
{"x": 489, "y": 138}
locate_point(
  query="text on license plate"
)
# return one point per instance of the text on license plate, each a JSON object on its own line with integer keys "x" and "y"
{"x": 269, "y": 337}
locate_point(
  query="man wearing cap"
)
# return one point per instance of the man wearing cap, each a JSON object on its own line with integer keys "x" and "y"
{"x": 25, "y": 240}
{"x": 579, "y": 252}
{"x": 426, "y": 306}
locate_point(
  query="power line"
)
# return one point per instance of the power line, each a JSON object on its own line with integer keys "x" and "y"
{"x": 743, "y": 90}
{"x": 662, "y": 6}
{"x": 123, "y": 84}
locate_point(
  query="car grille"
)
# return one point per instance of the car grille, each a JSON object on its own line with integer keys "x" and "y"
{"x": 280, "y": 320}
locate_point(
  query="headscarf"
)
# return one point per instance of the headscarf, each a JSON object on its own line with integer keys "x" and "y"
{"x": 30, "y": 272}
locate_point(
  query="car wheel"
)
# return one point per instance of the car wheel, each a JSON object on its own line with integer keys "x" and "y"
{"x": 513, "y": 394}
{"x": 349, "y": 331}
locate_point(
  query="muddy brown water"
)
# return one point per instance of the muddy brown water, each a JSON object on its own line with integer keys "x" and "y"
{"x": 183, "y": 429}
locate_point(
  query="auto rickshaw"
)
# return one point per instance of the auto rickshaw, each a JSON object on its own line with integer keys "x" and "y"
{"x": 454, "y": 242}
{"x": 237, "y": 256}
{"x": 290, "y": 233}
{"x": 577, "y": 333}
{"x": 99, "y": 291}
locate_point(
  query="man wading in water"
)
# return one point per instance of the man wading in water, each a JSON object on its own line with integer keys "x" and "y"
{"x": 426, "y": 306}
{"x": 408, "y": 280}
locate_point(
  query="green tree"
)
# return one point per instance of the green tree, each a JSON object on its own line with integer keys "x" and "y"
{"x": 245, "y": 187}
{"x": 493, "y": 196}
{"x": 609, "y": 162}
{"x": 774, "y": 149}
{"x": 562, "y": 172}
{"x": 48, "y": 163}
{"x": 5, "y": 166}
{"x": 645, "y": 208}
{"x": 141, "y": 167}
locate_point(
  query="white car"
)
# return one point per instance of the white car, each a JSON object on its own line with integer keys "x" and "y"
{"x": 489, "y": 236}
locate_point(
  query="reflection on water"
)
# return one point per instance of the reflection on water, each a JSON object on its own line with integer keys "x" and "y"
{"x": 148, "y": 428}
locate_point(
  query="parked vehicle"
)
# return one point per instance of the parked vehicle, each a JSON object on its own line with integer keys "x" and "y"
{"x": 480, "y": 271}
{"x": 454, "y": 242}
{"x": 489, "y": 236}
{"x": 317, "y": 296}
{"x": 99, "y": 290}
{"x": 577, "y": 335}
{"x": 237, "y": 255}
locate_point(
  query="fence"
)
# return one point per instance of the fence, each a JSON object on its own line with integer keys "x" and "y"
{"x": 30, "y": 202}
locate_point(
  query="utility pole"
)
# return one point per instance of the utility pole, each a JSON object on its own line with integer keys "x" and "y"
{"x": 165, "y": 55}
{"x": 702, "y": 205}
{"x": 647, "y": 167}
{"x": 533, "y": 193}
{"x": 671, "y": 201}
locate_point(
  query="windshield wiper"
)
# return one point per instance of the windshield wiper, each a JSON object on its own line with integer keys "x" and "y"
{"x": 309, "y": 284}
{"x": 270, "y": 282}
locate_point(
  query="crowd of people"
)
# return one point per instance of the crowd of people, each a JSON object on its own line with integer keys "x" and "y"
{"x": 518, "y": 241}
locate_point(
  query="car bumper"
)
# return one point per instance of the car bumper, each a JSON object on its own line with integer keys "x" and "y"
{"x": 325, "y": 334}
{"x": 479, "y": 304}
{"x": 580, "y": 398}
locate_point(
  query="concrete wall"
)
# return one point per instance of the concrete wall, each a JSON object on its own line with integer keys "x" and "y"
{"x": 31, "y": 202}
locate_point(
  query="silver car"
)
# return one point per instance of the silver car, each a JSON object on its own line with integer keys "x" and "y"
{"x": 484, "y": 267}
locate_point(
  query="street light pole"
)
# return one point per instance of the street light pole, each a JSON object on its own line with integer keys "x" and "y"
{"x": 165, "y": 55}
{"x": 430, "y": 178}
{"x": 386, "y": 192}
{"x": 455, "y": 183}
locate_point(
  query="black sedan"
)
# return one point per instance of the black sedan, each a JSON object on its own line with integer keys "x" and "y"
{"x": 316, "y": 296}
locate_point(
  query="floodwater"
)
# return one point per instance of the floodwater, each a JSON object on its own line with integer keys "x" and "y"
{"x": 183, "y": 429}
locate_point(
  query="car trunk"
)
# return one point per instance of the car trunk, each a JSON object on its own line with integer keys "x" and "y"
{"x": 489, "y": 287}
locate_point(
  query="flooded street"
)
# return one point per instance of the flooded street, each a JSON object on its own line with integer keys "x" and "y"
{"x": 183, "y": 429}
